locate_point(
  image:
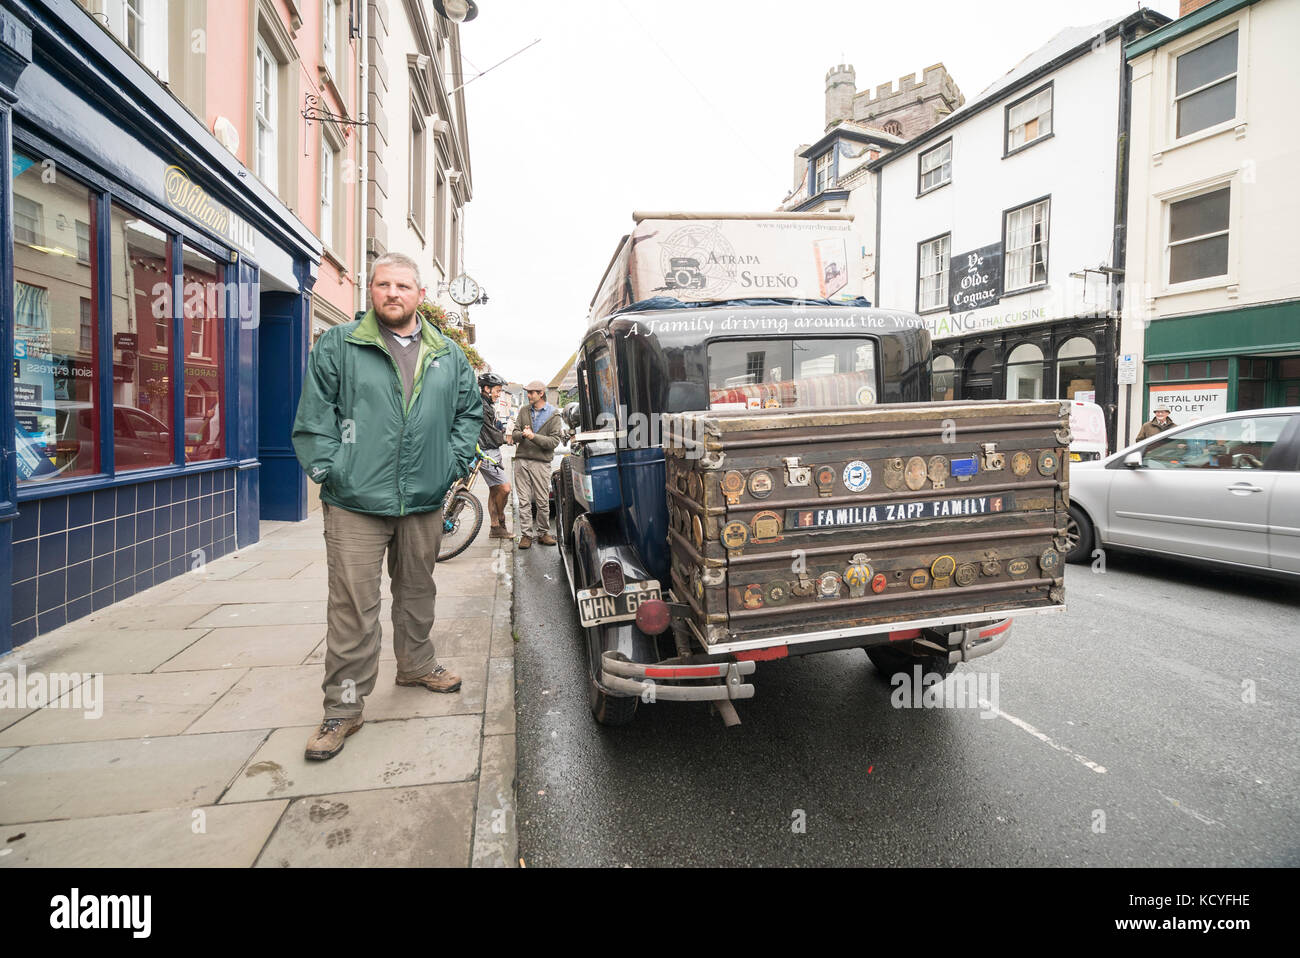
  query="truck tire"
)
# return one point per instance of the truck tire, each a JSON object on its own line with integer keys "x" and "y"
{"x": 606, "y": 709}
{"x": 565, "y": 504}
{"x": 611, "y": 710}
{"x": 1079, "y": 534}
{"x": 890, "y": 661}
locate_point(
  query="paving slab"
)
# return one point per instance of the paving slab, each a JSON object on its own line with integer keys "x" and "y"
{"x": 314, "y": 553}
{"x": 6, "y": 752}
{"x": 269, "y": 697}
{"x": 157, "y": 615}
{"x": 275, "y": 697}
{"x": 249, "y": 647}
{"x": 266, "y": 613}
{"x": 427, "y": 826}
{"x": 418, "y": 751}
{"x": 314, "y": 570}
{"x": 242, "y": 591}
{"x": 110, "y": 651}
{"x": 496, "y": 843}
{"x": 451, "y": 637}
{"x": 273, "y": 569}
{"x": 86, "y": 779}
{"x": 227, "y": 567}
{"x": 464, "y": 583}
{"x": 210, "y": 836}
{"x": 131, "y": 706}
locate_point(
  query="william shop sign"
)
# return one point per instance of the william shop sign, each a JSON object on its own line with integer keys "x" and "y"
{"x": 975, "y": 279}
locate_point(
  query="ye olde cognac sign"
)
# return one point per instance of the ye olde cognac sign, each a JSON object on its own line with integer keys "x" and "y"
{"x": 975, "y": 278}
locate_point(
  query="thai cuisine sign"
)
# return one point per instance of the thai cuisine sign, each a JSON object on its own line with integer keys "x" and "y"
{"x": 717, "y": 259}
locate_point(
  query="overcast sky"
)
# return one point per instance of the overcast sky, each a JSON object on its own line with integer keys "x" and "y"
{"x": 675, "y": 105}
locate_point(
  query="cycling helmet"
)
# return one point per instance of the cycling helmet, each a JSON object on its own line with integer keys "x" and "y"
{"x": 488, "y": 380}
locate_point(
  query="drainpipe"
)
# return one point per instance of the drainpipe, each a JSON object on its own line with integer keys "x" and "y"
{"x": 363, "y": 168}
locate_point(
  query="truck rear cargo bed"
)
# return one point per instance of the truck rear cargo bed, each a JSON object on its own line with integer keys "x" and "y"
{"x": 787, "y": 524}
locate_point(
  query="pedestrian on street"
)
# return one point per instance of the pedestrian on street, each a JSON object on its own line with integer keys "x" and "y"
{"x": 1158, "y": 423}
{"x": 490, "y": 439}
{"x": 538, "y": 430}
{"x": 388, "y": 419}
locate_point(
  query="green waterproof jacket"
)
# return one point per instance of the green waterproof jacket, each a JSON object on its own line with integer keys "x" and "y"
{"x": 370, "y": 451}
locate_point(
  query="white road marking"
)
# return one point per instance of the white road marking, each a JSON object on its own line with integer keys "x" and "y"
{"x": 1203, "y": 819}
{"x": 1045, "y": 739}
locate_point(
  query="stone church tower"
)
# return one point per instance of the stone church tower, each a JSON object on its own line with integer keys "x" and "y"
{"x": 907, "y": 112}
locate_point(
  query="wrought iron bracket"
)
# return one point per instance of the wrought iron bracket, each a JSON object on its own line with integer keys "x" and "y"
{"x": 312, "y": 110}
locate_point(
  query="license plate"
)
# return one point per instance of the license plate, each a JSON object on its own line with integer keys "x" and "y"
{"x": 596, "y": 606}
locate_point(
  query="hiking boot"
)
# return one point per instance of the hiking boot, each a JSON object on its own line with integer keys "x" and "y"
{"x": 498, "y": 532}
{"x": 525, "y": 542}
{"x": 440, "y": 679}
{"x": 328, "y": 739}
{"x": 546, "y": 539}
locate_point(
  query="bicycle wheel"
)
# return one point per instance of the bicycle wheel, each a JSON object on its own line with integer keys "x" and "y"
{"x": 461, "y": 521}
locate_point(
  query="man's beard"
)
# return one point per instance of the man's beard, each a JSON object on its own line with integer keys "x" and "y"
{"x": 396, "y": 323}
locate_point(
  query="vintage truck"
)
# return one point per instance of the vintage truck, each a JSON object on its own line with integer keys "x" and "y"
{"x": 752, "y": 479}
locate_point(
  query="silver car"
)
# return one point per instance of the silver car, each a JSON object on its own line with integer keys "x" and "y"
{"x": 1224, "y": 490}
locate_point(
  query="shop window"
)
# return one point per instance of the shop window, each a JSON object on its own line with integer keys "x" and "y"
{"x": 1157, "y": 373}
{"x": 55, "y": 372}
{"x": 942, "y": 374}
{"x": 1076, "y": 369}
{"x": 1198, "y": 236}
{"x": 1205, "y": 88}
{"x": 1251, "y": 393}
{"x": 1026, "y": 246}
{"x": 1219, "y": 368}
{"x": 142, "y": 365}
{"x": 1025, "y": 372}
{"x": 205, "y": 303}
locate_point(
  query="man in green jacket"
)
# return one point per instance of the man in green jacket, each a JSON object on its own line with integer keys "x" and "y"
{"x": 388, "y": 419}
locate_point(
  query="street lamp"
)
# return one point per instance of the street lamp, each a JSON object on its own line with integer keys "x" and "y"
{"x": 460, "y": 11}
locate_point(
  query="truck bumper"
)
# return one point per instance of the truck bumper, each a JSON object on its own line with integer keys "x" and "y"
{"x": 971, "y": 643}
{"x": 648, "y": 681}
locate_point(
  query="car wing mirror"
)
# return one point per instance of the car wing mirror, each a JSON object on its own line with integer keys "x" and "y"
{"x": 1133, "y": 460}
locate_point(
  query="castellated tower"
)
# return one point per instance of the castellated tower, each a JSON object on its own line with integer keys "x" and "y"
{"x": 907, "y": 111}
{"x": 841, "y": 85}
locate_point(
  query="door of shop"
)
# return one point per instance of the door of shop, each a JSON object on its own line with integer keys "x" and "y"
{"x": 281, "y": 361}
{"x": 979, "y": 376}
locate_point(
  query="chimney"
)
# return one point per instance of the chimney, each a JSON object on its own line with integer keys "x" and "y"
{"x": 1187, "y": 6}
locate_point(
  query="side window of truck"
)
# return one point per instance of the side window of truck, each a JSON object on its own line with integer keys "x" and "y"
{"x": 604, "y": 393}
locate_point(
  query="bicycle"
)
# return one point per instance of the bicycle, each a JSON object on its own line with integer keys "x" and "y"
{"x": 462, "y": 513}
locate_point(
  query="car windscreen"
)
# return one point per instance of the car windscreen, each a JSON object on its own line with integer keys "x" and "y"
{"x": 792, "y": 373}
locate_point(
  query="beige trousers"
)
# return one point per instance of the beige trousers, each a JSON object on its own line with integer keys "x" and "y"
{"x": 354, "y": 547}
{"x": 533, "y": 489}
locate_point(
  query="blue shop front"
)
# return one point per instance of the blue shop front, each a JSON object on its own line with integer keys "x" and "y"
{"x": 155, "y": 298}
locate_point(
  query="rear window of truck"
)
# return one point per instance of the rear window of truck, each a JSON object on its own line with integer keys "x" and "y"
{"x": 792, "y": 373}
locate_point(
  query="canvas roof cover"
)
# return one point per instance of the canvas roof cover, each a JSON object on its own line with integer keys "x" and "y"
{"x": 718, "y": 257}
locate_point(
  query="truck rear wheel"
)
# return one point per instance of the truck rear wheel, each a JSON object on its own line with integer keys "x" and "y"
{"x": 609, "y": 709}
{"x": 565, "y": 511}
{"x": 891, "y": 661}
{"x": 606, "y": 708}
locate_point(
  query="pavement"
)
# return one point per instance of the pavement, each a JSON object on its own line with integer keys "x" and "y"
{"x": 177, "y": 735}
